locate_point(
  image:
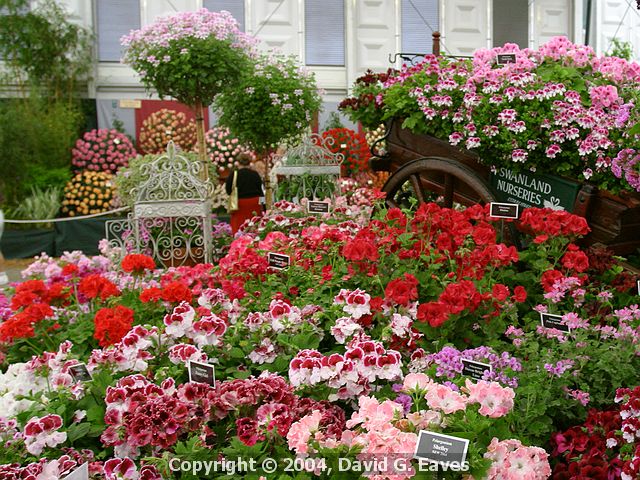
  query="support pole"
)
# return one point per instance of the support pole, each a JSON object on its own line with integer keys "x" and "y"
{"x": 268, "y": 195}
{"x": 436, "y": 44}
{"x": 202, "y": 148}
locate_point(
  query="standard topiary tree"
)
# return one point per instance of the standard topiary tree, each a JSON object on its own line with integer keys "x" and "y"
{"x": 191, "y": 56}
{"x": 272, "y": 106}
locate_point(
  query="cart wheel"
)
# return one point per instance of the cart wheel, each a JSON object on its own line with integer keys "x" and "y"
{"x": 443, "y": 181}
{"x": 434, "y": 179}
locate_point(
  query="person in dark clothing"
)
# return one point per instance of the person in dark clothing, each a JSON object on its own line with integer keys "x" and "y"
{"x": 250, "y": 191}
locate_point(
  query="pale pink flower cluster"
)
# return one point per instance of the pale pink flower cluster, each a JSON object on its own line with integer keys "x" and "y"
{"x": 55, "y": 366}
{"x": 205, "y": 331}
{"x": 302, "y": 431}
{"x": 223, "y": 148}
{"x": 513, "y": 461}
{"x": 43, "y": 432}
{"x": 364, "y": 362}
{"x": 564, "y": 286}
{"x": 49, "y": 269}
{"x": 495, "y": 400}
{"x": 200, "y": 24}
{"x": 372, "y": 429}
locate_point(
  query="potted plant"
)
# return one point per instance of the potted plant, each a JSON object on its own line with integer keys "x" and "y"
{"x": 191, "y": 56}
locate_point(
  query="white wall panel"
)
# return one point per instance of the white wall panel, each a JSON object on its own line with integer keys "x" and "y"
{"x": 277, "y": 24}
{"x": 152, "y": 9}
{"x": 376, "y": 35}
{"x": 552, "y": 18}
{"x": 466, "y": 26}
{"x": 619, "y": 19}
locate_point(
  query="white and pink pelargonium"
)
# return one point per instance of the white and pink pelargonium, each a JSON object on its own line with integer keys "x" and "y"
{"x": 41, "y": 432}
{"x": 356, "y": 302}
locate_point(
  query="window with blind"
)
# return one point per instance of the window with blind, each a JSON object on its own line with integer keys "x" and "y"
{"x": 234, "y": 7}
{"x": 324, "y": 32}
{"x": 115, "y": 19}
{"x": 510, "y": 22}
{"x": 420, "y": 18}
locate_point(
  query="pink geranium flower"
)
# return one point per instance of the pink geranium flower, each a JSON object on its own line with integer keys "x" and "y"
{"x": 495, "y": 400}
{"x": 441, "y": 397}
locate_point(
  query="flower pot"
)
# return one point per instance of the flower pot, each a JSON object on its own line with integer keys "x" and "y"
{"x": 180, "y": 257}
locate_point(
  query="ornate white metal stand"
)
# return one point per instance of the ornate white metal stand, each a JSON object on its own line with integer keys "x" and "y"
{"x": 310, "y": 170}
{"x": 171, "y": 218}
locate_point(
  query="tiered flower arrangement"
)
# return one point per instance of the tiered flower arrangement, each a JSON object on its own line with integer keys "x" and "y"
{"x": 351, "y": 351}
{"x": 223, "y": 148}
{"x": 559, "y": 109}
{"x": 164, "y": 125}
{"x": 102, "y": 150}
{"x": 352, "y": 146}
{"x": 87, "y": 193}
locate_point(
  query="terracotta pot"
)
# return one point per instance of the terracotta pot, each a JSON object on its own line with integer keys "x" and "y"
{"x": 181, "y": 259}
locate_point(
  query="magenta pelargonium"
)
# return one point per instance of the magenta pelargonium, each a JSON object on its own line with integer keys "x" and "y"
{"x": 102, "y": 150}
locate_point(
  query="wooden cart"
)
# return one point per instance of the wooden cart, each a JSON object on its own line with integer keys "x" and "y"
{"x": 425, "y": 168}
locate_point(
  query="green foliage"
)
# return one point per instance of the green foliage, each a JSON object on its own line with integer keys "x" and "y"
{"x": 276, "y": 104}
{"x": 42, "y": 203}
{"x": 334, "y": 121}
{"x": 313, "y": 187}
{"x": 621, "y": 49}
{"x": 43, "y": 48}
{"x": 35, "y": 140}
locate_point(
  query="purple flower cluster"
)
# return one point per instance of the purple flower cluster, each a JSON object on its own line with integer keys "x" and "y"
{"x": 627, "y": 165}
{"x": 448, "y": 362}
{"x": 559, "y": 368}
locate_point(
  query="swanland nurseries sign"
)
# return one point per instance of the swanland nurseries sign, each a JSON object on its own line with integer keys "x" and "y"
{"x": 533, "y": 190}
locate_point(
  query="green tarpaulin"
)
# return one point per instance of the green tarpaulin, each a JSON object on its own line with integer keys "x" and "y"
{"x": 65, "y": 236}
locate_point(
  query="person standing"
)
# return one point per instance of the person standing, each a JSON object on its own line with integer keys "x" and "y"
{"x": 250, "y": 191}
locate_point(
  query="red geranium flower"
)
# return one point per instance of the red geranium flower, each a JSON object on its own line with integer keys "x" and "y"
{"x": 111, "y": 324}
{"x": 575, "y": 259}
{"x": 176, "y": 292}
{"x": 96, "y": 286}
{"x": 153, "y": 294}
{"x": 436, "y": 313}
{"x": 401, "y": 291}
{"x": 137, "y": 263}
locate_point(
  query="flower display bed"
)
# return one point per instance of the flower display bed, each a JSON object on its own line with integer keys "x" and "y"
{"x": 383, "y": 335}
